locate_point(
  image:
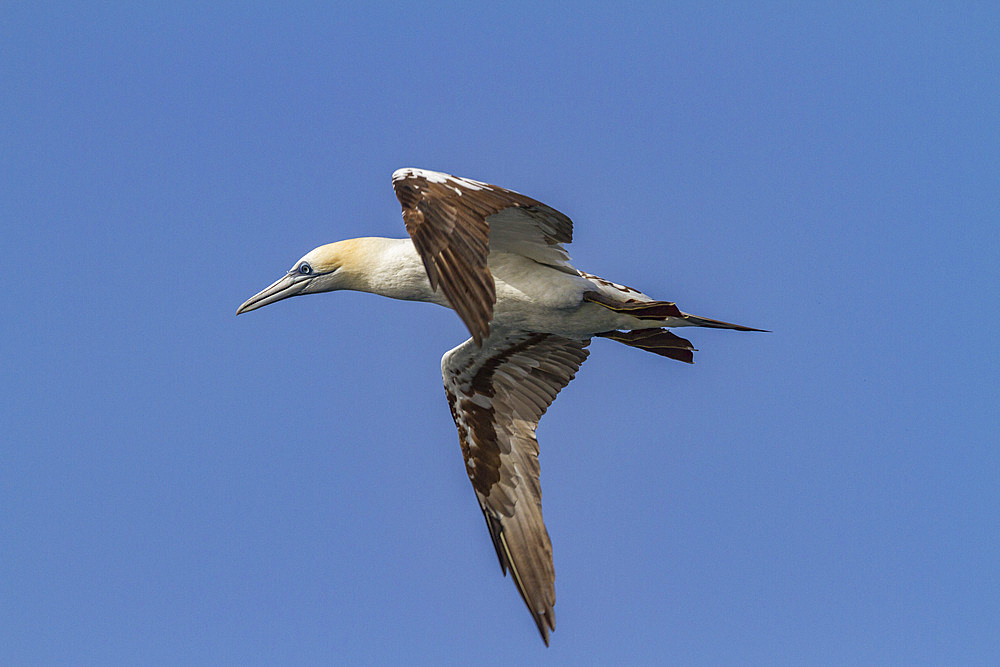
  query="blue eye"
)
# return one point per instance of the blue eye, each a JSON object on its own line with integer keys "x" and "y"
{"x": 305, "y": 269}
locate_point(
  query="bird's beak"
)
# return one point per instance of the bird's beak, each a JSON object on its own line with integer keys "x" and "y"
{"x": 284, "y": 287}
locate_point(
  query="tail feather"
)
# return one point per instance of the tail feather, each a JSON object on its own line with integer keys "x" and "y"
{"x": 643, "y": 310}
{"x": 718, "y": 324}
{"x": 659, "y": 310}
{"x": 657, "y": 341}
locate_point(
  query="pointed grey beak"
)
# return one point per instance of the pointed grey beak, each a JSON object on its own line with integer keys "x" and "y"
{"x": 282, "y": 288}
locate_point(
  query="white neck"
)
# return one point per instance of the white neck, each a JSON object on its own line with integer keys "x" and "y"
{"x": 392, "y": 268}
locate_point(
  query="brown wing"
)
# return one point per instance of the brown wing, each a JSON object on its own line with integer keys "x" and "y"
{"x": 454, "y": 222}
{"x": 497, "y": 393}
{"x": 657, "y": 341}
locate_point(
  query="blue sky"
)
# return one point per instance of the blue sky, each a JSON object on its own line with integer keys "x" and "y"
{"x": 179, "y": 485}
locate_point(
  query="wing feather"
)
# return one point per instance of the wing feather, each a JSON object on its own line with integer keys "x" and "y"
{"x": 455, "y": 223}
{"x": 497, "y": 393}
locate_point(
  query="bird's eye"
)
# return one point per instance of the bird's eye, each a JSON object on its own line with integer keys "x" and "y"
{"x": 305, "y": 269}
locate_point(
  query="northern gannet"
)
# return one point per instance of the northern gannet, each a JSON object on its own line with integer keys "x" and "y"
{"x": 496, "y": 257}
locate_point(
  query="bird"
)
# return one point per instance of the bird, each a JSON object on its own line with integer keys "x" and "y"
{"x": 497, "y": 258}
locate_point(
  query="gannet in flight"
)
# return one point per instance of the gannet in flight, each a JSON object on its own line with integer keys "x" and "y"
{"x": 496, "y": 258}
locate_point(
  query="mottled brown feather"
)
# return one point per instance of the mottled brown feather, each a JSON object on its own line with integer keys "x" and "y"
{"x": 447, "y": 219}
{"x": 497, "y": 394}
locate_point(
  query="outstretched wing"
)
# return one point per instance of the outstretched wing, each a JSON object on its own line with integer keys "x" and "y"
{"x": 455, "y": 223}
{"x": 497, "y": 393}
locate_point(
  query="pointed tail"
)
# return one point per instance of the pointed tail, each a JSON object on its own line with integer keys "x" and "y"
{"x": 717, "y": 324}
{"x": 660, "y": 310}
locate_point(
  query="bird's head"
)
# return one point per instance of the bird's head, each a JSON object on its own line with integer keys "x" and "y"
{"x": 323, "y": 269}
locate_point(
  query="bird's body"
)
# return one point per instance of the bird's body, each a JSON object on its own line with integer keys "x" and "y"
{"x": 496, "y": 257}
{"x": 529, "y": 296}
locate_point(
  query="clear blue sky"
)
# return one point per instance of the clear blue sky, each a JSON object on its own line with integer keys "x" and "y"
{"x": 179, "y": 485}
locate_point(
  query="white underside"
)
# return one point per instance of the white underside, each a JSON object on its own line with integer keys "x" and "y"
{"x": 536, "y": 297}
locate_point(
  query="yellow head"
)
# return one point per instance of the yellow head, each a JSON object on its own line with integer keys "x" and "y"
{"x": 329, "y": 267}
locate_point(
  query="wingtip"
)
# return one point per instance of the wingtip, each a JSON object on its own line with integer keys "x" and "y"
{"x": 480, "y": 334}
{"x": 546, "y": 621}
